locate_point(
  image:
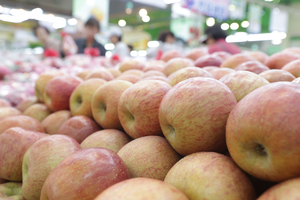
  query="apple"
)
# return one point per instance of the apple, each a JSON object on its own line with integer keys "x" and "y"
{"x": 293, "y": 50}
{"x": 208, "y": 60}
{"x": 84, "y": 175}
{"x": 58, "y": 91}
{"x": 242, "y": 83}
{"x": 4, "y": 103}
{"x": 297, "y": 80}
{"x": 275, "y": 75}
{"x": 114, "y": 72}
{"x": 196, "y": 53}
{"x": 129, "y": 77}
{"x": 252, "y": 66}
{"x": 41, "y": 158}
{"x": 78, "y": 127}
{"x": 26, "y": 103}
{"x": 222, "y": 54}
{"x": 105, "y": 103}
{"x": 142, "y": 189}
{"x": 138, "y": 108}
{"x": 150, "y": 157}
{"x": 262, "y": 132}
{"x": 135, "y": 72}
{"x": 158, "y": 78}
{"x": 6, "y": 112}
{"x": 236, "y": 60}
{"x": 100, "y": 73}
{"x": 293, "y": 67}
{"x": 54, "y": 121}
{"x": 25, "y": 122}
{"x": 14, "y": 142}
{"x": 259, "y": 56}
{"x": 166, "y": 56}
{"x": 152, "y": 73}
{"x": 210, "y": 68}
{"x": 109, "y": 138}
{"x": 286, "y": 190}
{"x": 84, "y": 74}
{"x": 186, "y": 73}
{"x": 193, "y": 115}
{"x": 210, "y": 175}
{"x": 11, "y": 191}
{"x": 176, "y": 64}
{"x": 156, "y": 67}
{"x": 81, "y": 98}
{"x": 131, "y": 64}
{"x": 220, "y": 72}
{"x": 278, "y": 60}
{"x": 37, "y": 111}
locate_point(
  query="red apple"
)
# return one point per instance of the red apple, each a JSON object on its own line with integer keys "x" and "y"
{"x": 236, "y": 60}
{"x": 193, "y": 115}
{"x": 275, "y": 75}
{"x": 84, "y": 175}
{"x": 158, "y": 78}
{"x": 297, "y": 80}
{"x": 152, "y": 73}
{"x": 259, "y": 56}
{"x": 54, "y": 121}
{"x": 222, "y": 54}
{"x": 196, "y": 53}
{"x": 11, "y": 191}
{"x": 37, "y": 111}
{"x": 208, "y": 60}
{"x": 24, "y": 122}
{"x": 131, "y": 64}
{"x": 252, "y": 66}
{"x": 166, "y": 56}
{"x": 129, "y": 77}
{"x": 293, "y": 67}
{"x": 114, "y": 72}
{"x": 138, "y": 108}
{"x": 84, "y": 74}
{"x": 150, "y": 157}
{"x": 220, "y": 72}
{"x": 209, "y": 175}
{"x": 176, "y": 64}
{"x": 156, "y": 67}
{"x": 4, "y": 103}
{"x": 135, "y": 72}
{"x": 278, "y": 60}
{"x": 14, "y": 142}
{"x": 26, "y": 103}
{"x": 210, "y": 68}
{"x": 262, "y": 132}
{"x": 100, "y": 73}
{"x": 142, "y": 189}
{"x": 58, "y": 91}
{"x": 105, "y": 103}
{"x": 293, "y": 50}
{"x": 6, "y": 112}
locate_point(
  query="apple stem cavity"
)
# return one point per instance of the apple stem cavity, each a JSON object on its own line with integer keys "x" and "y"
{"x": 260, "y": 150}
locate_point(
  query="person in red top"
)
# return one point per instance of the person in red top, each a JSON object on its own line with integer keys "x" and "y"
{"x": 215, "y": 39}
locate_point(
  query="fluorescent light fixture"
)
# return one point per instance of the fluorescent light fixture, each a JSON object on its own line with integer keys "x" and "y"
{"x": 245, "y": 24}
{"x": 143, "y": 12}
{"x": 72, "y": 22}
{"x": 133, "y": 53}
{"x": 146, "y": 19}
{"x": 153, "y": 44}
{"x": 12, "y": 19}
{"x": 277, "y": 41}
{"x": 1, "y": 8}
{"x": 37, "y": 11}
{"x": 244, "y": 37}
{"x": 109, "y": 46}
{"x": 59, "y": 23}
{"x": 210, "y": 21}
{"x": 171, "y": 1}
{"x": 108, "y": 54}
{"x": 234, "y": 26}
{"x": 38, "y": 50}
{"x": 90, "y": 2}
{"x": 225, "y": 26}
{"x": 142, "y": 53}
{"x": 122, "y": 22}
{"x": 269, "y": 0}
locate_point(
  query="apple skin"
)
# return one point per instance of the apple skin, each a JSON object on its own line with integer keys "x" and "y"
{"x": 84, "y": 74}
{"x": 41, "y": 158}
{"x": 81, "y": 98}
{"x": 84, "y": 175}
{"x": 109, "y": 138}
{"x": 100, "y": 73}
{"x": 236, "y": 60}
{"x": 193, "y": 115}
{"x": 186, "y": 73}
{"x": 156, "y": 67}
{"x": 105, "y": 103}
{"x": 276, "y": 75}
{"x": 259, "y": 56}
{"x": 210, "y": 68}
{"x": 38, "y": 111}
{"x": 25, "y": 122}
{"x": 258, "y": 136}
{"x": 14, "y": 142}
{"x": 135, "y": 72}
{"x": 176, "y": 64}
{"x": 286, "y": 190}
{"x": 58, "y": 91}
{"x": 158, "y": 78}
{"x": 11, "y": 191}
{"x": 278, "y": 60}
{"x": 208, "y": 60}
{"x": 252, "y": 66}
{"x": 196, "y": 53}
{"x": 138, "y": 108}
{"x": 131, "y": 64}
{"x": 152, "y": 73}
{"x": 54, "y": 121}
{"x": 297, "y": 80}
{"x": 293, "y": 67}
{"x": 114, "y": 72}
{"x": 26, "y": 103}
{"x": 4, "y": 103}
{"x": 242, "y": 83}
{"x": 220, "y": 72}
{"x": 222, "y": 54}
{"x": 293, "y": 50}
{"x": 170, "y": 55}
{"x": 142, "y": 189}
{"x": 129, "y": 77}
{"x": 210, "y": 175}
{"x": 149, "y": 157}
{"x": 6, "y": 112}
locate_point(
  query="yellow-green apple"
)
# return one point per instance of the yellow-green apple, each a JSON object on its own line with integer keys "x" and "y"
{"x": 186, "y": 73}
{"x": 158, "y": 78}
{"x": 252, "y": 66}
{"x": 105, "y": 103}
{"x": 196, "y": 53}
{"x": 114, "y": 72}
{"x": 38, "y": 111}
{"x": 78, "y": 127}
{"x": 81, "y": 98}
{"x": 166, "y": 56}
{"x": 14, "y": 142}
{"x": 26, "y": 103}
{"x": 152, "y": 73}
{"x": 84, "y": 74}
{"x": 6, "y": 112}
{"x": 276, "y": 75}
{"x": 208, "y": 60}
{"x": 210, "y": 175}
{"x": 293, "y": 50}
{"x": 131, "y": 64}
{"x": 156, "y": 67}
{"x": 193, "y": 115}
{"x": 100, "y": 73}
{"x": 42, "y": 81}
{"x": 222, "y": 54}
{"x": 293, "y": 67}
{"x": 84, "y": 175}
{"x": 286, "y": 190}
{"x": 11, "y": 191}
{"x": 136, "y": 72}
{"x": 41, "y": 158}
{"x": 236, "y": 60}
{"x": 220, "y": 72}
{"x": 138, "y": 108}
{"x": 4, "y": 103}
{"x": 297, "y": 80}
{"x": 149, "y": 156}
{"x": 109, "y": 138}
{"x": 176, "y": 64}
{"x": 142, "y": 189}
{"x": 129, "y": 77}
{"x": 58, "y": 91}
{"x": 259, "y": 56}
{"x": 24, "y": 122}
{"x": 54, "y": 121}
{"x": 262, "y": 132}
{"x": 242, "y": 83}
{"x": 278, "y": 60}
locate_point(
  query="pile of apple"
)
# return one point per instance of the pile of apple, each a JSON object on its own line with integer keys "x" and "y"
{"x": 199, "y": 126}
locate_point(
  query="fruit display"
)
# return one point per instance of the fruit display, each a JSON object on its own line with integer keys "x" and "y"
{"x": 194, "y": 126}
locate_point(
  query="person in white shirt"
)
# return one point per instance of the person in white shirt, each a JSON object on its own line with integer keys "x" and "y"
{"x": 121, "y": 49}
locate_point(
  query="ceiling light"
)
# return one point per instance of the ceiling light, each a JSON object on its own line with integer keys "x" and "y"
{"x": 122, "y": 22}
{"x": 210, "y": 21}
{"x": 146, "y": 19}
{"x": 234, "y": 26}
{"x": 143, "y": 12}
{"x": 72, "y": 22}
{"x": 245, "y": 24}
{"x": 225, "y": 26}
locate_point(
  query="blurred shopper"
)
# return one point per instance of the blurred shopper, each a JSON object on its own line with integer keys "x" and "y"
{"x": 215, "y": 39}
{"x": 121, "y": 49}
{"x": 43, "y": 34}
